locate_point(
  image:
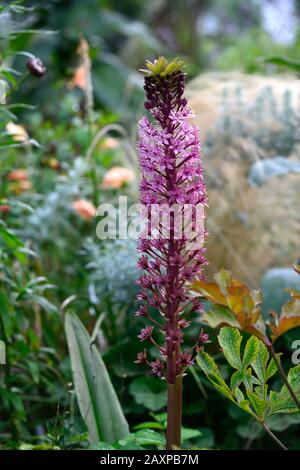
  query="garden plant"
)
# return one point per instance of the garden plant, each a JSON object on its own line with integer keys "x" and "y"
{"x": 178, "y": 329}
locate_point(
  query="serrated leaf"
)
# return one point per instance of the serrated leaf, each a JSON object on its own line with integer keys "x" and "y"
{"x": 251, "y": 351}
{"x": 259, "y": 405}
{"x": 248, "y": 379}
{"x": 245, "y": 405}
{"x": 260, "y": 363}
{"x": 294, "y": 378}
{"x": 272, "y": 367}
{"x": 236, "y": 379}
{"x": 230, "y": 342}
{"x": 239, "y": 394}
{"x": 207, "y": 364}
{"x": 261, "y": 391}
{"x": 255, "y": 381}
{"x": 209, "y": 367}
{"x": 220, "y": 386}
{"x": 282, "y": 402}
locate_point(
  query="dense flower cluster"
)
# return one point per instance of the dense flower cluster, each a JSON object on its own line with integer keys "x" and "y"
{"x": 171, "y": 175}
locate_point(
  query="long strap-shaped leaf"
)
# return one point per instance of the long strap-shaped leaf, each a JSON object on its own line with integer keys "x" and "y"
{"x": 97, "y": 399}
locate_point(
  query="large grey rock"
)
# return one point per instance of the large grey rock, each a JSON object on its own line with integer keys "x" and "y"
{"x": 273, "y": 286}
{"x": 263, "y": 170}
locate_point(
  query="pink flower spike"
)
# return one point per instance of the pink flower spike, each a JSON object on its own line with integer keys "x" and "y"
{"x": 173, "y": 197}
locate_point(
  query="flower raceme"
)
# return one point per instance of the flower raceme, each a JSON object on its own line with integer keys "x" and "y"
{"x": 171, "y": 180}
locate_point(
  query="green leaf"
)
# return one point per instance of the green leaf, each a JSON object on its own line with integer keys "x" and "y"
{"x": 149, "y": 392}
{"x": 248, "y": 379}
{"x": 282, "y": 402}
{"x": 239, "y": 394}
{"x": 34, "y": 370}
{"x": 5, "y": 316}
{"x": 149, "y": 437}
{"x": 272, "y": 367}
{"x": 245, "y": 406}
{"x": 209, "y": 367}
{"x": 220, "y": 315}
{"x": 10, "y": 239}
{"x": 260, "y": 406}
{"x": 236, "y": 379}
{"x": 8, "y": 75}
{"x": 230, "y": 341}
{"x": 223, "y": 279}
{"x": 260, "y": 363}
{"x": 294, "y": 378}
{"x": 149, "y": 425}
{"x": 207, "y": 364}
{"x": 251, "y": 351}
{"x": 97, "y": 399}
{"x": 284, "y": 61}
{"x": 48, "y": 306}
{"x": 187, "y": 434}
{"x": 101, "y": 446}
{"x": 279, "y": 422}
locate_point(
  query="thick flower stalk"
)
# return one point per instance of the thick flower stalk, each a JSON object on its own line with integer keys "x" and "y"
{"x": 172, "y": 244}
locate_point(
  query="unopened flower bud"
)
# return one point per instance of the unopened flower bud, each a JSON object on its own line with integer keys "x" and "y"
{"x": 36, "y": 67}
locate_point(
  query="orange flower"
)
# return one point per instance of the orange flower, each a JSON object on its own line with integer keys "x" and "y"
{"x": 82, "y": 74}
{"x": 116, "y": 177}
{"x": 84, "y": 208}
{"x": 79, "y": 78}
{"x": 17, "y": 175}
{"x": 110, "y": 143}
{"x": 20, "y": 186}
{"x": 24, "y": 186}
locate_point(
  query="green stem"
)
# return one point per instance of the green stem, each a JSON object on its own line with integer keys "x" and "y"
{"x": 198, "y": 382}
{"x": 283, "y": 375}
{"x": 174, "y": 414}
{"x": 272, "y": 435}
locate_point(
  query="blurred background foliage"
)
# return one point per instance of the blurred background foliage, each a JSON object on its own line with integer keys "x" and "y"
{"x": 68, "y": 143}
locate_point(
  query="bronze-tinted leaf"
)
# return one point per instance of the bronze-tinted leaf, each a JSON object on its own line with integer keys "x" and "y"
{"x": 210, "y": 291}
{"x": 289, "y": 318}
